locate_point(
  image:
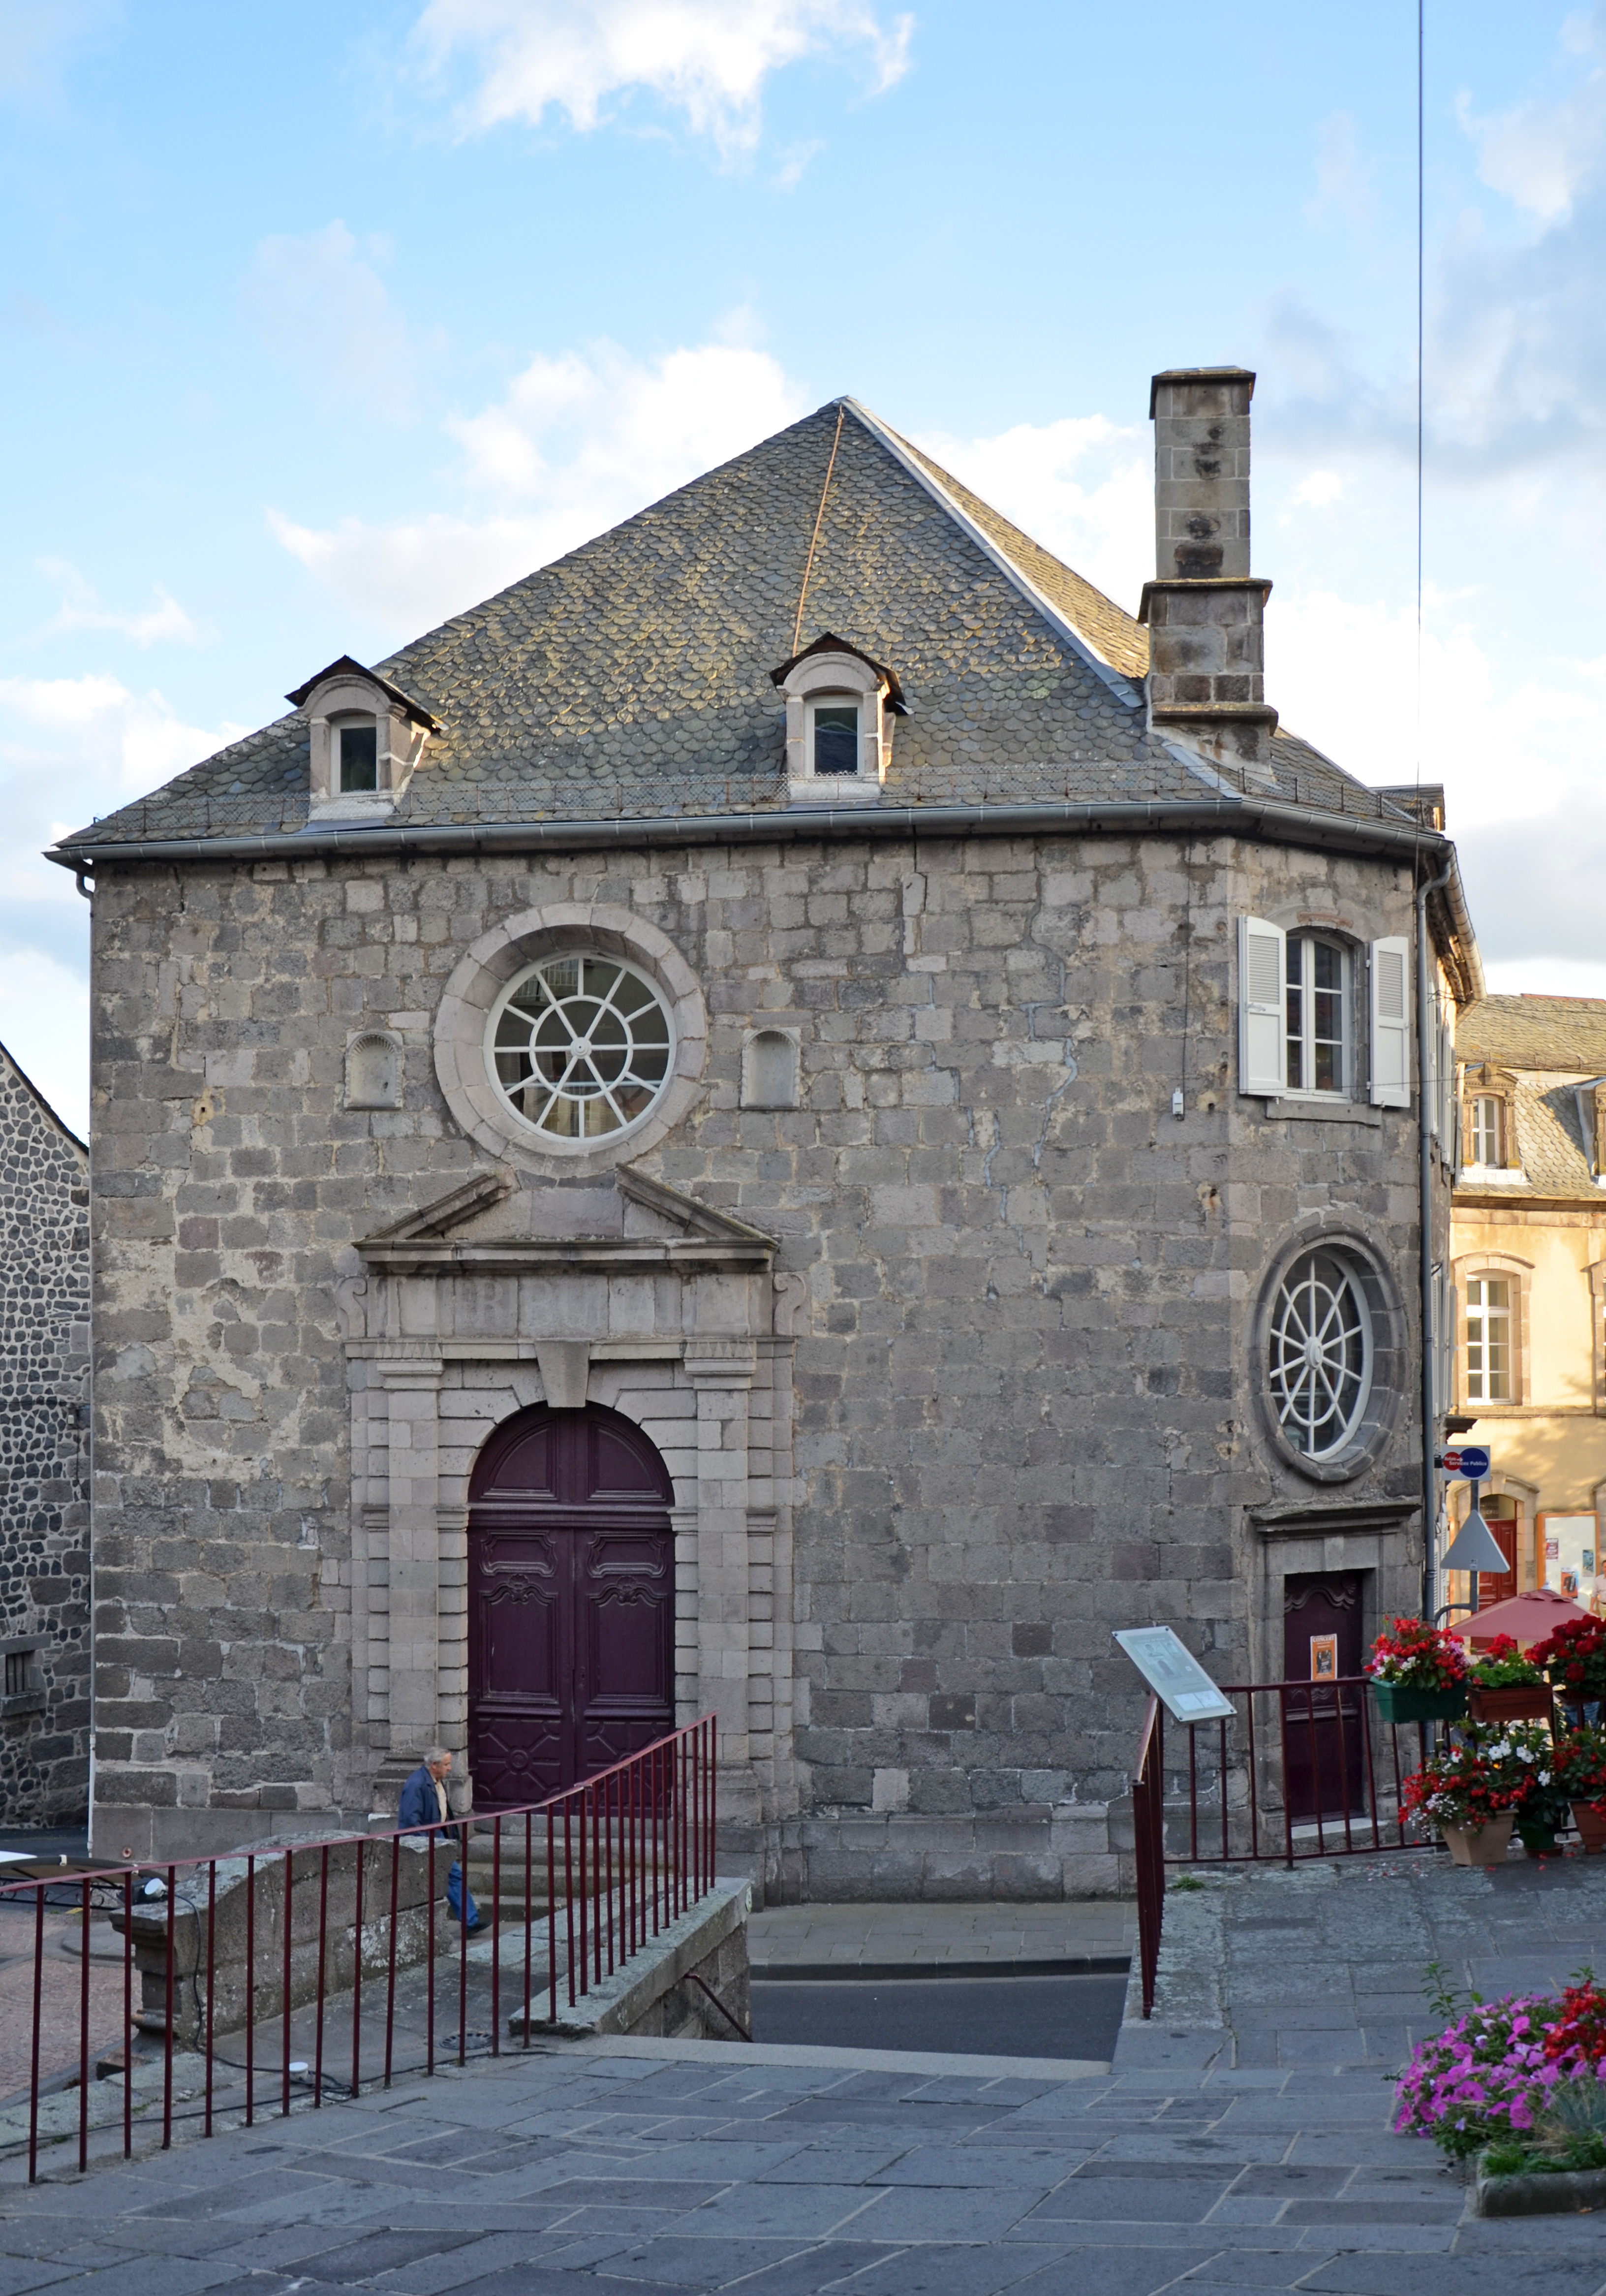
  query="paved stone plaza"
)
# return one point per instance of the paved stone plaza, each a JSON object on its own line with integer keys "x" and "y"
{"x": 1241, "y": 2143}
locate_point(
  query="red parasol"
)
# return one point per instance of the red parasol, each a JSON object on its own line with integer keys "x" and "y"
{"x": 1527, "y": 1618}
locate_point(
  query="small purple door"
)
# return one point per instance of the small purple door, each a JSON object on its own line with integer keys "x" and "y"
{"x": 1325, "y": 1729}
{"x": 571, "y": 1601}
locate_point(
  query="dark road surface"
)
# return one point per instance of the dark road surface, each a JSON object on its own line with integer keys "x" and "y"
{"x": 979, "y": 2016}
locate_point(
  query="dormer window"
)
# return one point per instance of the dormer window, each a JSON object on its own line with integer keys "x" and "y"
{"x": 357, "y": 743}
{"x": 833, "y": 724}
{"x": 1489, "y": 1147}
{"x": 840, "y": 708}
{"x": 366, "y": 737}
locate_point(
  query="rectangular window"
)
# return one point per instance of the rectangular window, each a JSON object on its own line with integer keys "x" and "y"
{"x": 359, "y": 758}
{"x": 1489, "y": 1340}
{"x": 836, "y": 728}
{"x": 1316, "y": 1008}
{"x": 1486, "y": 1129}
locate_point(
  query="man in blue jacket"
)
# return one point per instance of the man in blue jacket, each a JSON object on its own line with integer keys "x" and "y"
{"x": 423, "y": 1806}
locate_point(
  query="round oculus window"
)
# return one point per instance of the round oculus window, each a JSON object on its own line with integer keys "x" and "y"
{"x": 581, "y": 1046}
{"x": 1321, "y": 1355}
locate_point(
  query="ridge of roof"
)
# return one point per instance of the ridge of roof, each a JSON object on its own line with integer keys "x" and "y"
{"x": 1120, "y": 654}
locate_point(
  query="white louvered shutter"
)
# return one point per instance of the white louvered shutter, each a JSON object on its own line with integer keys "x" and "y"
{"x": 1392, "y": 1023}
{"x": 1447, "y": 1089}
{"x": 1262, "y": 1022}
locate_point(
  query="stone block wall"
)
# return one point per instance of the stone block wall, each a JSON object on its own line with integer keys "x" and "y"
{"x": 43, "y": 1460}
{"x": 1027, "y": 1404}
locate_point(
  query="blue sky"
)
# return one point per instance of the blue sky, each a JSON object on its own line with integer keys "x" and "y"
{"x": 319, "y": 323}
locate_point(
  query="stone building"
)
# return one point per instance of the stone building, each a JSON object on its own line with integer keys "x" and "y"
{"x": 798, "y": 1115}
{"x": 44, "y": 1459}
{"x": 1528, "y": 1266}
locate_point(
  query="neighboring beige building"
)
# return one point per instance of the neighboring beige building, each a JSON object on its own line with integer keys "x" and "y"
{"x": 1529, "y": 1265}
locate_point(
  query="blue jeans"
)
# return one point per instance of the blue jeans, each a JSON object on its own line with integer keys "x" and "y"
{"x": 455, "y": 1895}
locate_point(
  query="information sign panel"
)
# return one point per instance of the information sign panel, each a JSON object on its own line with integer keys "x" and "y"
{"x": 1469, "y": 1461}
{"x": 1174, "y": 1675}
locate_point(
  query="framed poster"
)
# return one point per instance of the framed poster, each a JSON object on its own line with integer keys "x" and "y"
{"x": 1569, "y": 1546}
{"x": 1324, "y": 1658}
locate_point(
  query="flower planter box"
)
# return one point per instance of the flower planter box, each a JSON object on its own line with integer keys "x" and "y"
{"x": 1398, "y": 1701}
{"x": 1562, "y": 2192}
{"x": 1480, "y": 1845}
{"x": 1592, "y": 1828}
{"x": 1522, "y": 1702}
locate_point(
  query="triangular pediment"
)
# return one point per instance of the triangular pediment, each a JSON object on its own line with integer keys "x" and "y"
{"x": 618, "y": 1217}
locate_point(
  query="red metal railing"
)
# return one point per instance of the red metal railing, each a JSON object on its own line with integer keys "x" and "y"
{"x": 1303, "y": 1770}
{"x": 284, "y": 1948}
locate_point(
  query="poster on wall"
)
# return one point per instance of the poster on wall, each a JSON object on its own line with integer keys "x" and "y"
{"x": 1569, "y": 1546}
{"x": 1324, "y": 1658}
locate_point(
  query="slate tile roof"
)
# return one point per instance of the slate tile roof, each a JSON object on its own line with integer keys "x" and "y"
{"x": 1567, "y": 1034}
{"x": 631, "y": 679}
{"x": 1550, "y": 1042}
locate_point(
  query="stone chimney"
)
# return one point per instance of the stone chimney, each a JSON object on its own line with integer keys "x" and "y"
{"x": 1204, "y": 609}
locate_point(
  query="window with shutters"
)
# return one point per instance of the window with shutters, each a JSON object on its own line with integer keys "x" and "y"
{"x": 1488, "y": 1340}
{"x": 1316, "y": 1002}
{"x": 1321, "y": 1017}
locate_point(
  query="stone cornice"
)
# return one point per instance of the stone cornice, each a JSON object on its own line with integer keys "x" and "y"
{"x": 1312, "y": 1518}
{"x": 629, "y": 1255}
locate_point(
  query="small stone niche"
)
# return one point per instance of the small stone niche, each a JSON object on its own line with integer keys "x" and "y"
{"x": 769, "y": 1068}
{"x": 374, "y": 1070}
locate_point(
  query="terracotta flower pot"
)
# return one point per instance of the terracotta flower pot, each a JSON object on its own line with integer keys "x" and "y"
{"x": 1591, "y": 1825}
{"x": 1521, "y": 1702}
{"x": 1398, "y": 1701}
{"x": 1480, "y": 1845}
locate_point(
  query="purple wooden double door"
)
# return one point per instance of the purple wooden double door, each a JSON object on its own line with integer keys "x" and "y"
{"x": 571, "y": 1601}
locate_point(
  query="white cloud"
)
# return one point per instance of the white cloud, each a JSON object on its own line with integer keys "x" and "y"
{"x": 113, "y": 744}
{"x": 1503, "y": 750}
{"x": 578, "y": 443}
{"x": 707, "y": 59}
{"x": 81, "y": 610}
{"x": 36, "y": 37}
{"x": 44, "y": 1025}
{"x": 1543, "y": 155}
{"x": 325, "y": 312}
{"x": 1544, "y": 976}
{"x": 74, "y": 747}
{"x": 1343, "y": 178}
{"x": 1516, "y": 756}
{"x": 1318, "y": 490}
{"x": 1082, "y": 488}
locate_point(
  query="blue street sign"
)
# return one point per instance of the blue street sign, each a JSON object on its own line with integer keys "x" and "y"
{"x": 1470, "y": 1462}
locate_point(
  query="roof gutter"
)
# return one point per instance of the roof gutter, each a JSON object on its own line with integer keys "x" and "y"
{"x": 1278, "y": 823}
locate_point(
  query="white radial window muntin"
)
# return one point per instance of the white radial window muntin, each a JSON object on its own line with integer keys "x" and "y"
{"x": 581, "y": 1046}
{"x": 1321, "y": 1355}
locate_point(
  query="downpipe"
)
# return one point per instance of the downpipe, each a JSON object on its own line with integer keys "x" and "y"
{"x": 1425, "y": 1228}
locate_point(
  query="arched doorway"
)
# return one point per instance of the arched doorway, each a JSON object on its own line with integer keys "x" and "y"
{"x": 571, "y": 1601}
